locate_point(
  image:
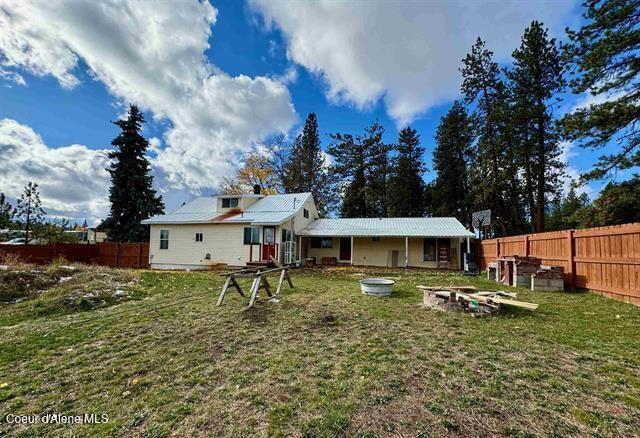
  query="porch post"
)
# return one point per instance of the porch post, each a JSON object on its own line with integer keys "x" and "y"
{"x": 468, "y": 244}
{"x": 406, "y": 252}
{"x": 299, "y": 249}
{"x": 351, "y": 261}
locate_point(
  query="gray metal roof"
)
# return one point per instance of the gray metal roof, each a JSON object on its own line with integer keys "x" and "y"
{"x": 389, "y": 227}
{"x": 269, "y": 210}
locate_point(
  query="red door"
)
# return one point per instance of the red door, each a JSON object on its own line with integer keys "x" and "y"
{"x": 268, "y": 243}
{"x": 345, "y": 248}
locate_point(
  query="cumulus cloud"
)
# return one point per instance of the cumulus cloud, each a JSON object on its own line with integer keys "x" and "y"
{"x": 151, "y": 53}
{"x": 73, "y": 179}
{"x": 407, "y": 53}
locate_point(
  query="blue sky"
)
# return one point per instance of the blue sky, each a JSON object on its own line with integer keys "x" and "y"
{"x": 218, "y": 78}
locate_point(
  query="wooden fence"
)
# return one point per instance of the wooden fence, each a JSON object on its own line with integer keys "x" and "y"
{"x": 121, "y": 255}
{"x": 603, "y": 259}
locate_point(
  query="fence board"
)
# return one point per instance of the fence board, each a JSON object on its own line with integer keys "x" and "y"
{"x": 602, "y": 259}
{"x": 121, "y": 255}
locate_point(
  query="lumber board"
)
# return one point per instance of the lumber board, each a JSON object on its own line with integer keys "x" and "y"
{"x": 514, "y": 303}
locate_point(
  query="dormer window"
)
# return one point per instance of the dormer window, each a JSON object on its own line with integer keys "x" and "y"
{"x": 229, "y": 202}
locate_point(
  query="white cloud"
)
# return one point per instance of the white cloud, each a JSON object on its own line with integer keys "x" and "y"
{"x": 407, "y": 53}
{"x": 571, "y": 173}
{"x": 12, "y": 77}
{"x": 152, "y": 53}
{"x": 73, "y": 179}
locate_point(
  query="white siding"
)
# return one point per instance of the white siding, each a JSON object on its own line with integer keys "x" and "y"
{"x": 224, "y": 243}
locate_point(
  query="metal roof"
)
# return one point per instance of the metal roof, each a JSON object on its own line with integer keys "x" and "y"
{"x": 269, "y": 210}
{"x": 388, "y": 227}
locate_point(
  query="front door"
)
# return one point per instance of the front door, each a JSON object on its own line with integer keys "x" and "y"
{"x": 345, "y": 248}
{"x": 268, "y": 243}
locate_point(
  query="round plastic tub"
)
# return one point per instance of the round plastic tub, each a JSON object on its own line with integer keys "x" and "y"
{"x": 377, "y": 287}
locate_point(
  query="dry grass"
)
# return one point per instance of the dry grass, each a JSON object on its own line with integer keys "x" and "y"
{"x": 325, "y": 361}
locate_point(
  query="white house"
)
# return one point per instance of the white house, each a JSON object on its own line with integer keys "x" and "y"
{"x": 239, "y": 229}
{"x": 231, "y": 230}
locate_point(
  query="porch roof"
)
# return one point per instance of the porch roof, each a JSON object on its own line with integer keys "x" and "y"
{"x": 388, "y": 227}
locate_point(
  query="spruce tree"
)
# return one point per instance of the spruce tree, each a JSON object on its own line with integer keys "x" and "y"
{"x": 132, "y": 196}
{"x": 406, "y": 186}
{"x": 536, "y": 78}
{"x": 6, "y": 212}
{"x": 604, "y": 61}
{"x": 29, "y": 210}
{"x": 305, "y": 170}
{"x": 452, "y": 158}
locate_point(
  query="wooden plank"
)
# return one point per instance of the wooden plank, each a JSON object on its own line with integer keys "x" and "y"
{"x": 224, "y": 291}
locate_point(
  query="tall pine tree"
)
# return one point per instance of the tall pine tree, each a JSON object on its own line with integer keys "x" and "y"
{"x": 356, "y": 163}
{"x": 482, "y": 84}
{"x": 452, "y": 158}
{"x": 406, "y": 186}
{"x": 306, "y": 170}
{"x": 605, "y": 62}
{"x": 132, "y": 196}
{"x": 535, "y": 78}
{"x": 29, "y": 210}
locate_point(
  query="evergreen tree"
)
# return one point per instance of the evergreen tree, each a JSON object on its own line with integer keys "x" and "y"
{"x": 306, "y": 170}
{"x": 379, "y": 174}
{"x": 407, "y": 190}
{"x": 29, "y": 210}
{"x": 452, "y": 158}
{"x": 605, "y": 62}
{"x": 535, "y": 78}
{"x": 619, "y": 203}
{"x": 569, "y": 212}
{"x": 132, "y": 196}
{"x": 482, "y": 84}
{"x": 6, "y": 212}
{"x": 355, "y": 164}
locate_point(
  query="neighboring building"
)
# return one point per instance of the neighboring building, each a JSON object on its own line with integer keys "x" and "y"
{"x": 239, "y": 229}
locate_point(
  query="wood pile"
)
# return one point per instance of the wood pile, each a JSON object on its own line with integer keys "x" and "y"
{"x": 470, "y": 299}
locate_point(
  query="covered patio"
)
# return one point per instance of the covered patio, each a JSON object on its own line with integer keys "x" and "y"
{"x": 436, "y": 243}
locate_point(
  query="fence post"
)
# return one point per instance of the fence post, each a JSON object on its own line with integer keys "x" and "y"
{"x": 117, "y": 254}
{"x": 526, "y": 245}
{"x": 497, "y": 249}
{"x": 139, "y": 255}
{"x": 571, "y": 271}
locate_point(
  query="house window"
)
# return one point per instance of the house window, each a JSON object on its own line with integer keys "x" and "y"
{"x": 287, "y": 235}
{"x": 164, "y": 239}
{"x": 375, "y": 239}
{"x": 229, "y": 202}
{"x": 429, "y": 254}
{"x": 199, "y": 237}
{"x": 251, "y": 235}
{"x": 305, "y": 213}
{"x": 321, "y": 242}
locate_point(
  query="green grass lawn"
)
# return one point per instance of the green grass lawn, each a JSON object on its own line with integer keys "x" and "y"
{"x": 325, "y": 361}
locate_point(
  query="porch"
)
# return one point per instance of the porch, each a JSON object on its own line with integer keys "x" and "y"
{"x": 423, "y": 252}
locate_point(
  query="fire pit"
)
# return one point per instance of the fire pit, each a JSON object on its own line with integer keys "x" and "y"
{"x": 377, "y": 287}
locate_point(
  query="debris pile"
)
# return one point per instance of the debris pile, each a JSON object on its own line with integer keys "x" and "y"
{"x": 470, "y": 299}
